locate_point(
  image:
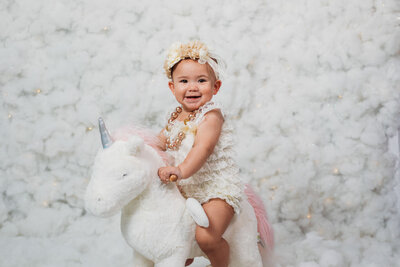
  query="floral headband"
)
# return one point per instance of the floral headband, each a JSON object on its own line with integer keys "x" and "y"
{"x": 195, "y": 50}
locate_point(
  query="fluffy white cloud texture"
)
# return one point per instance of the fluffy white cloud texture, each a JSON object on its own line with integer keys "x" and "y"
{"x": 313, "y": 88}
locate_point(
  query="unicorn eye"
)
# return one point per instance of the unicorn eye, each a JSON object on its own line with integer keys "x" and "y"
{"x": 124, "y": 175}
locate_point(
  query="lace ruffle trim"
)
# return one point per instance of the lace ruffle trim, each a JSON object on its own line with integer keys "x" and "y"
{"x": 207, "y": 107}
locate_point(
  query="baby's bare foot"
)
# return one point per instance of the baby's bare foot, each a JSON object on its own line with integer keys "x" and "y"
{"x": 188, "y": 262}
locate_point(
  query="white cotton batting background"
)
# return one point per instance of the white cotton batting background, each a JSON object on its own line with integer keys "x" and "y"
{"x": 313, "y": 88}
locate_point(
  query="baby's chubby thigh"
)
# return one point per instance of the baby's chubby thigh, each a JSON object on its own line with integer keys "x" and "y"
{"x": 219, "y": 214}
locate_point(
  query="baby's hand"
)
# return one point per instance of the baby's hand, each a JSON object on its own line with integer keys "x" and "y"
{"x": 165, "y": 172}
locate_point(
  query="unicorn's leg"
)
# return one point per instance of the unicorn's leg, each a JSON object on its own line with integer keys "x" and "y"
{"x": 244, "y": 250}
{"x": 178, "y": 259}
{"x": 243, "y": 240}
{"x": 140, "y": 261}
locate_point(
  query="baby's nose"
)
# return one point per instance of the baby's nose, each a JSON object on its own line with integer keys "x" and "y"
{"x": 193, "y": 87}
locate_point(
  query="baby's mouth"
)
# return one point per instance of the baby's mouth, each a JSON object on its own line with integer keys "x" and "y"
{"x": 193, "y": 96}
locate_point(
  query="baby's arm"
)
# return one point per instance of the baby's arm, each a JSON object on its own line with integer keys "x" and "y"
{"x": 207, "y": 136}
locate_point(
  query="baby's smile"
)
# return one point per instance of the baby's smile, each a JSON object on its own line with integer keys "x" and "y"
{"x": 192, "y": 98}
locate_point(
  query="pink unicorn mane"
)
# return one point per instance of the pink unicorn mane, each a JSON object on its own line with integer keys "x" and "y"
{"x": 148, "y": 137}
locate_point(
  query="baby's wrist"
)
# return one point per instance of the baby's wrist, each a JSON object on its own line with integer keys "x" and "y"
{"x": 179, "y": 167}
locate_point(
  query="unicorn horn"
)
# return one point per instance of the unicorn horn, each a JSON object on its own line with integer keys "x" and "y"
{"x": 106, "y": 139}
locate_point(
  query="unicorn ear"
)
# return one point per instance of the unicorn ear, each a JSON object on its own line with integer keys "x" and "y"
{"x": 135, "y": 145}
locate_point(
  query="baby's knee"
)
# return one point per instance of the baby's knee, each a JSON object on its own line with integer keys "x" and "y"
{"x": 206, "y": 241}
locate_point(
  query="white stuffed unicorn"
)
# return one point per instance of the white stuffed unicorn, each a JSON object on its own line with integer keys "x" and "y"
{"x": 156, "y": 221}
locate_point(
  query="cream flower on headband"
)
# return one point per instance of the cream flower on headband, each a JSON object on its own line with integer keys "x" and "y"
{"x": 195, "y": 50}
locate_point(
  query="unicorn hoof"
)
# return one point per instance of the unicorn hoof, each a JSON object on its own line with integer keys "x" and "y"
{"x": 197, "y": 212}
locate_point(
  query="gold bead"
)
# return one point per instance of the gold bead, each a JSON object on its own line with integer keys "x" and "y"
{"x": 181, "y": 135}
{"x": 178, "y": 109}
{"x": 173, "y": 178}
{"x": 170, "y": 120}
{"x": 174, "y": 115}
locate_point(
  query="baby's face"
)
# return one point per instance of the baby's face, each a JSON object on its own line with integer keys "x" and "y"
{"x": 193, "y": 84}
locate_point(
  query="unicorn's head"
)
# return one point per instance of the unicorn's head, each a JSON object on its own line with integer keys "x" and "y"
{"x": 120, "y": 173}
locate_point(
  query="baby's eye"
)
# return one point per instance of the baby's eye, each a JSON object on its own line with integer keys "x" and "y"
{"x": 183, "y": 81}
{"x": 202, "y": 80}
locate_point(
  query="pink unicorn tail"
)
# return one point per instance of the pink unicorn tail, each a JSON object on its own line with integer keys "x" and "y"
{"x": 263, "y": 226}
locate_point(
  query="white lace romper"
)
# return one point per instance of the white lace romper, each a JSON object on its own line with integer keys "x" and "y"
{"x": 219, "y": 176}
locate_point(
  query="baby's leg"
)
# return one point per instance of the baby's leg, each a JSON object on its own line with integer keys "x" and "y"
{"x": 210, "y": 239}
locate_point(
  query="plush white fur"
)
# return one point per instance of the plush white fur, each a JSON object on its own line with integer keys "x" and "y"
{"x": 155, "y": 221}
{"x": 197, "y": 212}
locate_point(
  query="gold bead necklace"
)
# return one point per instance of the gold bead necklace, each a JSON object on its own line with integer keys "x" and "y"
{"x": 176, "y": 142}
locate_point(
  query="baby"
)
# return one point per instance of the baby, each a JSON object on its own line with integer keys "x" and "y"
{"x": 200, "y": 140}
